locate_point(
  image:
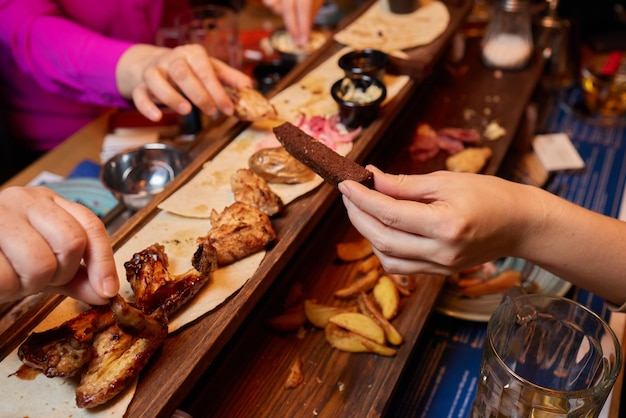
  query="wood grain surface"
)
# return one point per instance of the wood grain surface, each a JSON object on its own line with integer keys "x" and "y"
{"x": 187, "y": 354}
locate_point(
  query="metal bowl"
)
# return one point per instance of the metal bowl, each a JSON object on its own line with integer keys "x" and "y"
{"x": 135, "y": 176}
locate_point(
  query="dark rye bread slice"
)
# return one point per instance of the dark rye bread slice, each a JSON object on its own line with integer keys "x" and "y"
{"x": 332, "y": 167}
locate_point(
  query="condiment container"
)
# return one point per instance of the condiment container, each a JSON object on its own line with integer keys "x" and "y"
{"x": 508, "y": 42}
{"x": 371, "y": 62}
{"x": 359, "y": 99}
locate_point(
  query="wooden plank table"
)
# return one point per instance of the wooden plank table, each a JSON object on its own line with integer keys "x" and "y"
{"x": 185, "y": 356}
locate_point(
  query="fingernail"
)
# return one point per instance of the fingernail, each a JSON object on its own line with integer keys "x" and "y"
{"x": 344, "y": 189}
{"x": 110, "y": 287}
{"x": 154, "y": 115}
{"x": 183, "y": 108}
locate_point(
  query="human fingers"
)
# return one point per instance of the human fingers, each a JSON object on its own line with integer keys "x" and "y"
{"x": 101, "y": 274}
{"x": 144, "y": 103}
{"x": 160, "y": 84}
{"x": 203, "y": 79}
{"x": 274, "y": 5}
{"x": 41, "y": 242}
{"x": 398, "y": 265}
{"x": 392, "y": 212}
{"x": 388, "y": 239}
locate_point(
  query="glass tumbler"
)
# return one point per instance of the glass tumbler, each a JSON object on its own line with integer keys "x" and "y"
{"x": 216, "y": 28}
{"x": 545, "y": 356}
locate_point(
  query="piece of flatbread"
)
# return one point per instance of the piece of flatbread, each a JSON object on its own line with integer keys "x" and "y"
{"x": 378, "y": 28}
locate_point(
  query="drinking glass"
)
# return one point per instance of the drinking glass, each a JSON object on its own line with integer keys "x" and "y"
{"x": 216, "y": 28}
{"x": 545, "y": 356}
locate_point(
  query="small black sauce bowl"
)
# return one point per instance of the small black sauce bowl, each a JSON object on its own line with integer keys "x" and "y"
{"x": 371, "y": 62}
{"x": 267, "y": 74}
{"x": 354, "y": 114}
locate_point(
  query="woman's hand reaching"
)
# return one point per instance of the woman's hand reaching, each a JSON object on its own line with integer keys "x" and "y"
{"x": 151, "y": 75}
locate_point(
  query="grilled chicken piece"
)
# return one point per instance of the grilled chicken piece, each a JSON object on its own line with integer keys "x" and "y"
{"x": 248, "y": 187}
{"x": 252, "y": 106}
{"x": 154, "y": 286}
{"x": 64, "y": 350}
{"x": 238, "y": 231}
{"x": 120, "y": 352}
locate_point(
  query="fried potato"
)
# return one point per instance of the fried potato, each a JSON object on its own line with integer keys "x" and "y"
{"x": 387, "y": 296}
{"x": 290, "y": 320}
{"x": 362, "y": 284}
{"x": 368, "y": 308}
{"x": 318, "y": 314}
{"x": 345, "y": 340}
{"x": 371, "y": 262}
{"x": 360, "y": 324}
{"x": 354, "y": 250}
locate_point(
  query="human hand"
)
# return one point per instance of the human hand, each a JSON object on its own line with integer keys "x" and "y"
{"x": 298, "y": 16}
{"x": 151, "y": 75}
{"x": 52, "y": 245}
{"x": 440, "y": 222}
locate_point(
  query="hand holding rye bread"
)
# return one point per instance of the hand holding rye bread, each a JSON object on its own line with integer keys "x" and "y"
{"x": 444, "y": 222}
{"x": 44, "y": 241}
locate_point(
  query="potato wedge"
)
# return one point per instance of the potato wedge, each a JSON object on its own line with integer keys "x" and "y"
{"x": 368, "y": 308}
{"x": 362, "y": 284}
{"x": 345, "y": 340}
{"x": 387, "y": 297}
{"x": 405, "y": 283}
{"x": 359, "y": 324}
{"x": 353, "y": 250}
{"x": 317, "y": 314}
{"x": 290, "y": 320}
{"x": 369, "y": 263}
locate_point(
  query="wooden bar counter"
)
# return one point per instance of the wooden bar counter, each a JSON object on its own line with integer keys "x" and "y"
{"x": 228, "y": 363}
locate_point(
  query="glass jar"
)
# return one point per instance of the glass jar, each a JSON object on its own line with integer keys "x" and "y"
{"x": 508, "y": 42}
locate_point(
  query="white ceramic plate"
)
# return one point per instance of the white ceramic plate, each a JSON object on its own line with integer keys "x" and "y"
{"x": 480, "y": 309}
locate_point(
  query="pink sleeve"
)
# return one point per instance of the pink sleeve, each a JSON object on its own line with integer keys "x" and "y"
{"x": 62, "y": 56}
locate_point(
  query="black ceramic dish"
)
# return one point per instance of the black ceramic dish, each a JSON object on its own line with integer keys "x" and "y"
{"x": 267, "y": 74}
{"x": 358, "y": 114}
{"x": 371, "y": 62}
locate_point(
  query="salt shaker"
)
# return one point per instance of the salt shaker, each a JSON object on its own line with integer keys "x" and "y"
{"x": 508, "y": 42}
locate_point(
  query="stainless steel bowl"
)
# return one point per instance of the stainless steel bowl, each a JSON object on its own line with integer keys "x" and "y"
{"x": 135, "y": 176}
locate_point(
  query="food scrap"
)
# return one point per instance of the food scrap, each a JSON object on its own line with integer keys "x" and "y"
{"x": 428, "y": 142}
{"x": 484, "y": 280}
{"x": 470, "y": 160}
{"x": 296, "y": 374}
{"x": 494, "y": 131}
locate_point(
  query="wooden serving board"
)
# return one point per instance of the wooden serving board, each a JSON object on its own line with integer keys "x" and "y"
{"x": 248, "y": 377}
{"x": 186, "y": 354}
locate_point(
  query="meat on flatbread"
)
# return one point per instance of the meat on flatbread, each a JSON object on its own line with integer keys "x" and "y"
{"x": 238, "y": 231}
{"x": 250, "y": 188}
{"x": 108, "y": 346}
